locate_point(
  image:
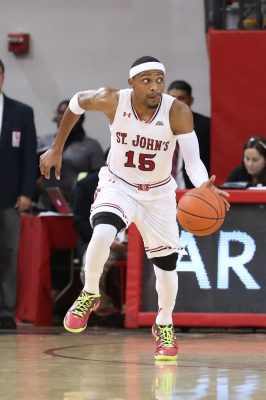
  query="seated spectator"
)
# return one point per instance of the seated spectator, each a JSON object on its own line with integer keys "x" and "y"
{"x": 253, "y": 167}
{"x": 82, "y": 200}
{"x": 81, "y": 154}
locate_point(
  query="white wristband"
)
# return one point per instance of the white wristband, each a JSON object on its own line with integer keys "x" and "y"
{"x": 74, "y": 105}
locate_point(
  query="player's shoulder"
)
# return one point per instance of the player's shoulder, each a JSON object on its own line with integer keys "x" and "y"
{"x": 101, "y": 94}
{"x": 107, "y": 98}
{"x": 181, "y": 118}
{"x": 104, "y": 99}
{"x": 107, "y": 92}
{"x": 180, "y": 108}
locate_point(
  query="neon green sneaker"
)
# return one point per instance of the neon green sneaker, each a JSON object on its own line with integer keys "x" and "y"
{"x": 76, "y": 318}
{"x": 166, "y": 343}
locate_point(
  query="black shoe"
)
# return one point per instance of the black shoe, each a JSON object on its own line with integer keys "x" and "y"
{"x": 7, "y": 323}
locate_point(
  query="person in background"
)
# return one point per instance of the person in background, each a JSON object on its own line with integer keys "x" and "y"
{"x": 18, "y": 175}
{"x": 136, "y": 186}
{"x": 253, "y": 167}
{"x": 182, "y": 91}
{"x": 82, "y": 154}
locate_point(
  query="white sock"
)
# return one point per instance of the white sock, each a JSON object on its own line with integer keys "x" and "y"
{"x": 97, "y": 254}
{"x": 166, "y": 287}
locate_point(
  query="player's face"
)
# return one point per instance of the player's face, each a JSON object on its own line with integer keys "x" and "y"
{"x": 181, "y": 95}
{"x": 254, "y": 161}
{"x": 148, "y": 87}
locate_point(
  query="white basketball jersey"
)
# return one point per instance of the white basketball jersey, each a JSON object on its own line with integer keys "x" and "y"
{"x": 141, "y": 152}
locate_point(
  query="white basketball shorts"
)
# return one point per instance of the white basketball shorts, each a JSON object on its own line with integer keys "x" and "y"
{"x": 153, "y": 211}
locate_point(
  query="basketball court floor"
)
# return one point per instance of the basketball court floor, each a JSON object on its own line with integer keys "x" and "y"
{"x": 118, "y": 364}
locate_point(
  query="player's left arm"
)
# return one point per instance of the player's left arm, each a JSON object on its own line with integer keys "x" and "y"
{"x": 181, "y": 121}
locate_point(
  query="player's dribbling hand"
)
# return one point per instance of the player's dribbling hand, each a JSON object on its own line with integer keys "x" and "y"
{"x": 51, "y": 158}
{"x": 224, "y": 195}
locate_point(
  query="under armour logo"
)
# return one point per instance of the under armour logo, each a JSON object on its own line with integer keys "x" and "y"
{"x": 126, "y": 114}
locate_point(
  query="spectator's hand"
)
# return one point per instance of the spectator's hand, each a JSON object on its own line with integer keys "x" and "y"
{"x": 51, "y": 158}
{"x": 224, "y": 195}
{"x": 23, "y": 203}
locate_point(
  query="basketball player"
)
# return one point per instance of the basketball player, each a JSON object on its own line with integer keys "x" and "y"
{"x": 136, "y": 186}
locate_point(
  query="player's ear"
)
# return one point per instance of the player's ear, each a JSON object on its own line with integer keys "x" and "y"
{"x": 131, "y": 82}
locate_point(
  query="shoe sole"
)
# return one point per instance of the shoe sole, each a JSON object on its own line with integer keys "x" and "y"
{"x": 72, "y": 330}
{"x": 165, "y": 358}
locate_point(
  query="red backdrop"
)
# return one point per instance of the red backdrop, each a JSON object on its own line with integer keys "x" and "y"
{"x": 238, "y": 95}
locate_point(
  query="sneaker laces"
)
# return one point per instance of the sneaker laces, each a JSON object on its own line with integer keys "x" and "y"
{"x": 166, "y": 335}
{"x": 83, "y": 304}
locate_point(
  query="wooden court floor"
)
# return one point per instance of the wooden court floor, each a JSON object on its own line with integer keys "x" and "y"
{"x": 118, "y": 364}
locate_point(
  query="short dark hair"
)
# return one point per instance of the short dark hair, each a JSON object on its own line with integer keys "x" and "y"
{"x": 62, "y": 103}
{"x": 180, "y": 85}
{"x": 2, "y": 66}
{"x": 66, "y": 103}
{"x": 143, "y": 60}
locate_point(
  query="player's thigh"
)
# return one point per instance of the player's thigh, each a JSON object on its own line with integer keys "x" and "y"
{"x": 114, "y": 201}
{"x": 157, "y": 224}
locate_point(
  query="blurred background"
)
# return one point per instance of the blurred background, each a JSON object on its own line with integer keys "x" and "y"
{"x": 86, "y": 44}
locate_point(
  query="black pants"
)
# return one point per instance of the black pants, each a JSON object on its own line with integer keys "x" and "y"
{"x": 9, "y": 241}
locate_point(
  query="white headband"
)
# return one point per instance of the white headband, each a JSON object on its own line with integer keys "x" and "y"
{"x": 146, "y": 67}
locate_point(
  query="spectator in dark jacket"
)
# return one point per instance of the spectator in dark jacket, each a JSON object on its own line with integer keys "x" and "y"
{"x": 18, "y": 174}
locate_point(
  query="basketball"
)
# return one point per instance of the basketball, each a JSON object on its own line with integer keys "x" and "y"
{"x": 201, "y": 211}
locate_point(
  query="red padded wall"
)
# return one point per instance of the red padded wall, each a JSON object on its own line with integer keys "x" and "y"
{"x": 238, "y": 95}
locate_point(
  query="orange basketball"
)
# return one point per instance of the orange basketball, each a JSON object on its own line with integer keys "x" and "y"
{"x": 200, "y": 211}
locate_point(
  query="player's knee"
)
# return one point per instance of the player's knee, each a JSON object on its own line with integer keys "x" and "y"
{"x": 166, "y": 263}
{"x": 108, "y": 218}
{"x": 103, "y": 235}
